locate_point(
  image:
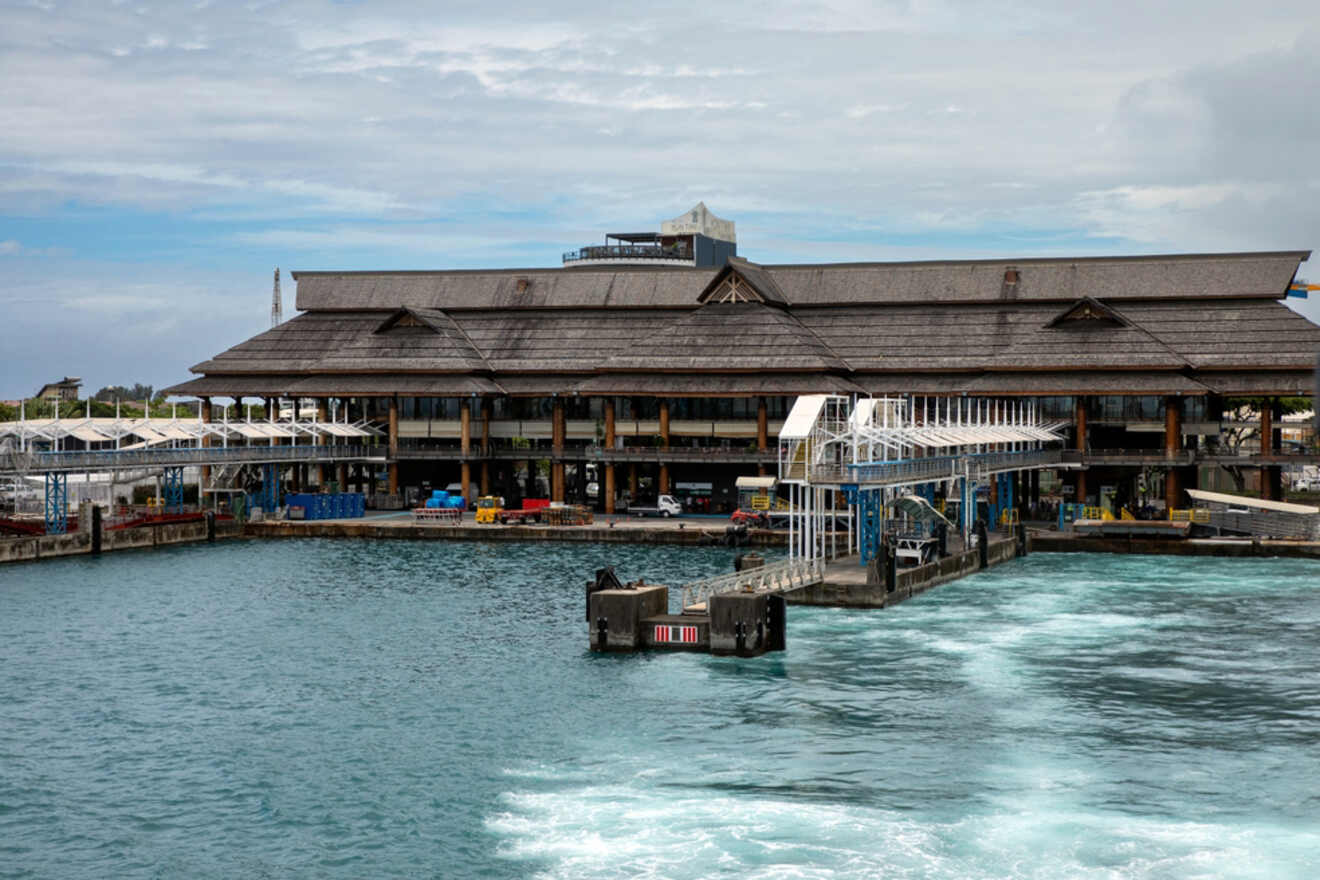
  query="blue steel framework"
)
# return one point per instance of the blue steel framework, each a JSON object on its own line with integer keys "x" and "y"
{"x": 172, "y": 486}
{"x": 269, "y": 499}
{"x": 57, "y": 503}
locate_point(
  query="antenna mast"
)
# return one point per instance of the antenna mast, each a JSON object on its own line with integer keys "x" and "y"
{"x": 276, "y": 310}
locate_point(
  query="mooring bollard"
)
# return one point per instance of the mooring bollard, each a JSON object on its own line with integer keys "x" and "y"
{"x": 776, "y": 619}
{"x": 96, "y": 530}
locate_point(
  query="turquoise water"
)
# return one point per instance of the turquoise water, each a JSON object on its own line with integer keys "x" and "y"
{"x": 409, "y": 709}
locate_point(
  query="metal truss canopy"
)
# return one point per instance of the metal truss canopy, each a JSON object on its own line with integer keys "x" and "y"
{"x": 886, "y": 457}
{"x": 114, "y": 433}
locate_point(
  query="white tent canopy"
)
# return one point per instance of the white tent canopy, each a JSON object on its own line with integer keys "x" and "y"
{"x": 128, "y": 433}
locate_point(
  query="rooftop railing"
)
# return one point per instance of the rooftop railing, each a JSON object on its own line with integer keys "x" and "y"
{"x": 627, "y": 252}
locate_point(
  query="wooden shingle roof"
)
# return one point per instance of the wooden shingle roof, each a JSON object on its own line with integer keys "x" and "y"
{"x": 1181, "y": 276}
{"x": 1165, "y": 324}
{"x": 729, "y": 336}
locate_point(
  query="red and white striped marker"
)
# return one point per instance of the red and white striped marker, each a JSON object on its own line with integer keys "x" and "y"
{"x": 680, "y": 634}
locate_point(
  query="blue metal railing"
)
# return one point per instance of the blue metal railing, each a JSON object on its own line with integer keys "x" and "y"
{"x": 946, "y": 466}
{"x": 105, "y": 459}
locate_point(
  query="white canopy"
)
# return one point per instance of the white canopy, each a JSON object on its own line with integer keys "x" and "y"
{"x": 755, "y": 482}
{"x": 802, "y": 417}
{"x": 919, "y": 509}
{"x": 1251, "y": 503}
{"x": 135, "y": 433}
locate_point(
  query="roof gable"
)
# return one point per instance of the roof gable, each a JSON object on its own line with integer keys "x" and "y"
{"x": 743, "y": 281}
{"x": 1089, "y": 311}
{"x": 409, "y": 318}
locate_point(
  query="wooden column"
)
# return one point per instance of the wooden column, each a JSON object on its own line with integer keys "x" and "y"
{"x": 557, "y": 433}
{"x": 1267, "y": 447}
{"x": 205, "y": 410}
{"x": 609, "y": 444}
{"x": 662, "y": 483}
{"x": 762, "y": 432}
{"x": 341, "y": 476}
{"x": 394, "y": 446}
{"x": 634, "y": 408}
{"x": 322, "y": 414}
{"x": 485, "y": 446}
{"x": 1079, "y": 419}
{"x": 465, "y": 446}
{"x": 1173, "y": 495}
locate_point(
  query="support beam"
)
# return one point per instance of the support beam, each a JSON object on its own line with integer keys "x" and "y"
{"x": 762, "y": 431}
{"x": 662, "y": 483}
{"x": 485, "y": 445}
{"x": 173, "y": 489}
{"x": 322, "y": 415}
{"x": 205, "y": 411}
{"x": 557, "y": 439}
{"x": 465, "y": 446}
{"x": 394, "y": 446}
{"x": 57, "y": 503}
{"x": 1079, "y": 420}
{"x": 1173, "y": 488}
{"x": 609, "y": 444}
{"x": 1271, "y": 441}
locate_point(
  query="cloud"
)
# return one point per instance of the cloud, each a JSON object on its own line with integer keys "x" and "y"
{"x": 214, "y": 141}
{"x": 12, "y": 248}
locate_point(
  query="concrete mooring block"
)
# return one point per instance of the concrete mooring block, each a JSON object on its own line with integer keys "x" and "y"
{"x": 746, "y": 624}
{"x": 616, "y": 616}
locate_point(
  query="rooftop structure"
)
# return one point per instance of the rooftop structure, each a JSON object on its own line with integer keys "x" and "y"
{"x": 65, "y": 389}
{"x": 696, "y": 238}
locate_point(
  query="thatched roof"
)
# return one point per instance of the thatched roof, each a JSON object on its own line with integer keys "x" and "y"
{"x": 728, "y": 337}
{"x": 1185, "y": 276}
{"x": 716, "y": 385}
{"x": 1137, "y": 325}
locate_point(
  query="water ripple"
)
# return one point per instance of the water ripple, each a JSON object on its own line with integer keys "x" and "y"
{"x": 356, "y": 708}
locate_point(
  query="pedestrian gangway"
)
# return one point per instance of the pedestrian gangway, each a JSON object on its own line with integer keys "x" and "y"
{"x": 777, "y": 577}
{"x": 971, "y": 457}
{"x": 33, "y": 461}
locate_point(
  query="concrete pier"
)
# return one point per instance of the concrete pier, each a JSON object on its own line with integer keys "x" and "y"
{"x": 93, "y": 541}
{"x": 748, "y": 622}
{"x": 615, "y": 616}
{"x": 624, "y": 530}
{"x": 847, "y": 584}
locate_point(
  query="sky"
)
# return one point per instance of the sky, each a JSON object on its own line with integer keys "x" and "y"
{"x": 158, "y": 161}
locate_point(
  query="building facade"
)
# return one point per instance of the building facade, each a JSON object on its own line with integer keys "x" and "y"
{"x": 65, "y": 389}
{"x": 617, "y": 379}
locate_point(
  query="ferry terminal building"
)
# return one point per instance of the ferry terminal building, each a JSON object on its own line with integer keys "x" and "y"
{"x": 664, "y": 363}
